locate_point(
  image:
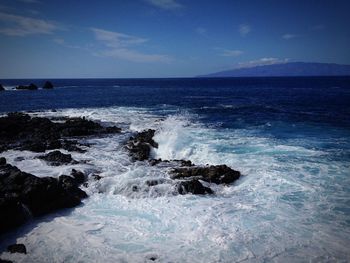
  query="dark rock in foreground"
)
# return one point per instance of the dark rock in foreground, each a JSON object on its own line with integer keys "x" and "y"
{"x": 20, "y": 131}
{"x": 23, "y": 195}
{"x": 194, "y": 187}
{"x": 140, "y": 145}
{"x": 48, "y": 85}
{"x": 219, "y": 174}
{"x": 57, "y": 158}
{"x": 1, "y": 88}
{"x": 17, "y": 248}
{"x": 29, "y": 87}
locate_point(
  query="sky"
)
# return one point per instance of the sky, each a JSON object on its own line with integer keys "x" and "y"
{"x": 166, "y": 38}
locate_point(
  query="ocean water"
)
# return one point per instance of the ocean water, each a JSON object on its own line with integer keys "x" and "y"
{"x": 290, "y": 138}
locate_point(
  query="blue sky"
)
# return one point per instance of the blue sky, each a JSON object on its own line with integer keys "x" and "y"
{"x": 166, "y": 38}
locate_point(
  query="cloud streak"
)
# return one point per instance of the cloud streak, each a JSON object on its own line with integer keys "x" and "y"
{"x": 165, "y": 4}
{"x": 119, "y": 45}
{"x": 244, "y": 29}
{"x": 231, "y": 53}
{"x": 14, "y": 25}
{"x": 262, "y": 62}
{"x": 289, "y": 36}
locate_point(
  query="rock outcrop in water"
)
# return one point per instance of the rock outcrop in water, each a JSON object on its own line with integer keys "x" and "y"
{"x": 1, "y": 88}
{"x": 140, "y": 145}
{"x": 187, "y": 176}
{"x": 57, "y": 158}
{"x": 218, "y": 174}
{"x": 22, "y": 132}
{"x": 23, "y": 195}
{"x": 17, "y": 248}
{"x": 48, "y": 85}
{"x": 31, "y": 86}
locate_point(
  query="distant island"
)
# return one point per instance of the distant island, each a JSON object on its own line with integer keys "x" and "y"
{"x": 285, "y": 70}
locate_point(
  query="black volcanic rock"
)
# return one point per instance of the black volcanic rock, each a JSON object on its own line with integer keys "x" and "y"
{"x": 194, "y": 187}
{"x": 78, "y": 176}
{"x": 140, "y": 145}
{"x": 57, "y": 158}
{"x": 23, "y": 195}
{"x": 1, "y": 88}
{"x": 17, "y": 248}
{"x": 219, "y": 174}
{"x": 31, "y": 86}
{"x": 20, "y": 131}
{"x": 48, "y": 85}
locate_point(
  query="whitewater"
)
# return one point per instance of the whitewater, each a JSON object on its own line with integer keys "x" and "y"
{"x": 277, "y": 211}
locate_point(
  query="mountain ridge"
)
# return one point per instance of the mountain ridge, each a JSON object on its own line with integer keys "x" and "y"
{"x": 289, "y": 69}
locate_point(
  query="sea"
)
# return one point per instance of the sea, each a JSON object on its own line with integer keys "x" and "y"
{"x": 289, "y": 137}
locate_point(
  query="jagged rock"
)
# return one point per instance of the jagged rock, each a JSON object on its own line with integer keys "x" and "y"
{"x": 5, "y": 261}
{"x": 154, "y": 182}
{"x": 31, "y": 86}
{"x": 140, "y": 145}
{"x": 2, "y": 161}
{"x": 57, "y": 158}
{"x": 1, "y": 88}
{"x": 219, "y": 174}
{"x": 17, "y": 248}
{"x": 194, "y": 187}
{"x": 154, "y": 162}
{"x": 20, "y": 131}
{"x": 48, "y": 85}
{"x": 23, "y": 195}
{"x": 97, "y": 177}
{"x": 78, "y": 176}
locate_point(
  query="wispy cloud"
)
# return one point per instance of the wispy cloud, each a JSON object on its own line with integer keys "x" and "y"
{"x": 165, "y": 4}
{"x": 121, "y": 46}
{"x": 262, "y": 62}
{"x": 289, "y": 36}
{"x": 201, "y": 31}
{"x": 14, "y": 25}
{"x": 244, "y": 29}
{"x": 230, "y": 53}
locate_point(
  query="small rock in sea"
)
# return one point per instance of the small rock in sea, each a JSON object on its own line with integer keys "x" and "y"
{"x": 219, "y": 174}
{"x": 31, "y": 86}
{"x": 97, "y": 177}
{"x": 57, "y": 158}
{"x": 48, "y": 85}
{"x": 2, "y": 161}
{"x": 5, "y": 261}
{"x": 140, "y": 145}
{"x": 17, "y": 248}
{"x": 194, "y": 187}
{"x": 78, "y": 176}
{"x": 1, "y": 88}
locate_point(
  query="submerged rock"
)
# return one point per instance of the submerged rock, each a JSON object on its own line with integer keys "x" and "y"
{"x": 23, "y": 195}
{"x": 140, "y": 145}
{"x": 194, "y": 187}
{"x": 57, "y": 158}
{"x": 31, "y": 86}
{"x": 48, "y": 85}
{"x": 17, "y": 248}
{"x": 219, "y": 174}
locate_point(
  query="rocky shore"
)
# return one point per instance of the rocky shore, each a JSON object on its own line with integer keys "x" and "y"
{"x": 24, "y": 195}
